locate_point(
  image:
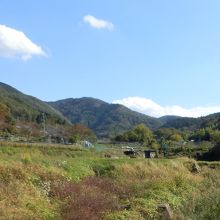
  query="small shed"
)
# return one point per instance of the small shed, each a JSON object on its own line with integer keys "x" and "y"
{"x": 130, "y": 153}
{"x": 150, "y": 153}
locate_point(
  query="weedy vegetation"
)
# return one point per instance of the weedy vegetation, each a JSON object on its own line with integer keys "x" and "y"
{"x": 73, "y": 183}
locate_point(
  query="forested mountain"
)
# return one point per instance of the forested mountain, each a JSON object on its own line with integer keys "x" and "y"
{"x": 182, "y": 123}
{"x": 19, "y": 111}
{"x": 110, "y": 119}
{"x": 168, "y": 118}
{"x": 104, "y": 118}
{"x": 24, "y": 107}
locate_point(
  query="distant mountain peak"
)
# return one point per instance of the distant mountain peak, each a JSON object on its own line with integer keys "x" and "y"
{"x": 104, "y": 118}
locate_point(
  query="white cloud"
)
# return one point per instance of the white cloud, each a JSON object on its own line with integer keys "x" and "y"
{"x": 149, "y": 107}
{"x": 98, "y": 23}
{"x": 14, "y": 43}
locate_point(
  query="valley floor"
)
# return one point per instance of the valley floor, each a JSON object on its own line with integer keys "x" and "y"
{"x": 72, "y": 183}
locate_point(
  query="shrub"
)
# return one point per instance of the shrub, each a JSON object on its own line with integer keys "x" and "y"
{"x": 103, "y": 168}
{"x": 87, "y": 200}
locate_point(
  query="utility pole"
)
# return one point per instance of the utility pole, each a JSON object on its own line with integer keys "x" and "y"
{"x": 44, "y": 126}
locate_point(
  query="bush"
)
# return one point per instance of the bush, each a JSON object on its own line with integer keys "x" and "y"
{"x": 87, "y": 200}
{"x": 103, "y": 168}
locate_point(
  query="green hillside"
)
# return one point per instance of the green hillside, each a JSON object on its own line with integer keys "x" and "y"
{"x": 110, "y": 119}
{"x": 23, "y": 113}
{"x": 168, "y": 118}
{"x": 183, "y": 123}
{"x": 104, "y": 118}
{"x": 19, "y": 111}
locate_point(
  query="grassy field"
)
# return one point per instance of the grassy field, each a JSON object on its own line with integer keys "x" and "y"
{"x": 60, "y": 182}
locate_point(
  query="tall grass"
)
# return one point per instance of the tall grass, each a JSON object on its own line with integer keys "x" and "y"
{"x": 62, "y": 182}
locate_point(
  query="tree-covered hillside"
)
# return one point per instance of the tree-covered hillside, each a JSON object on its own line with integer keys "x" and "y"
{"x": 186, "y": 123}
{"x": 27, "y": 114}
{"x": 24, "y": 107}
{"x": 104, "y": 118}
{"x": 22, "y": 113}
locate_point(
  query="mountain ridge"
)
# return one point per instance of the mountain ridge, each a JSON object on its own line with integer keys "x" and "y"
{"x": 104, "y": 118}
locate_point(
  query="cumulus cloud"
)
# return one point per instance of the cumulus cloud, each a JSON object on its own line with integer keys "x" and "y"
{"x": 149, "y": 107}
{"x": 98, "y": 23}
{"x": 14, "y": 43}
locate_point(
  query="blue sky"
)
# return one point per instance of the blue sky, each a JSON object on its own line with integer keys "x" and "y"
{"x": 157, "y": 57}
